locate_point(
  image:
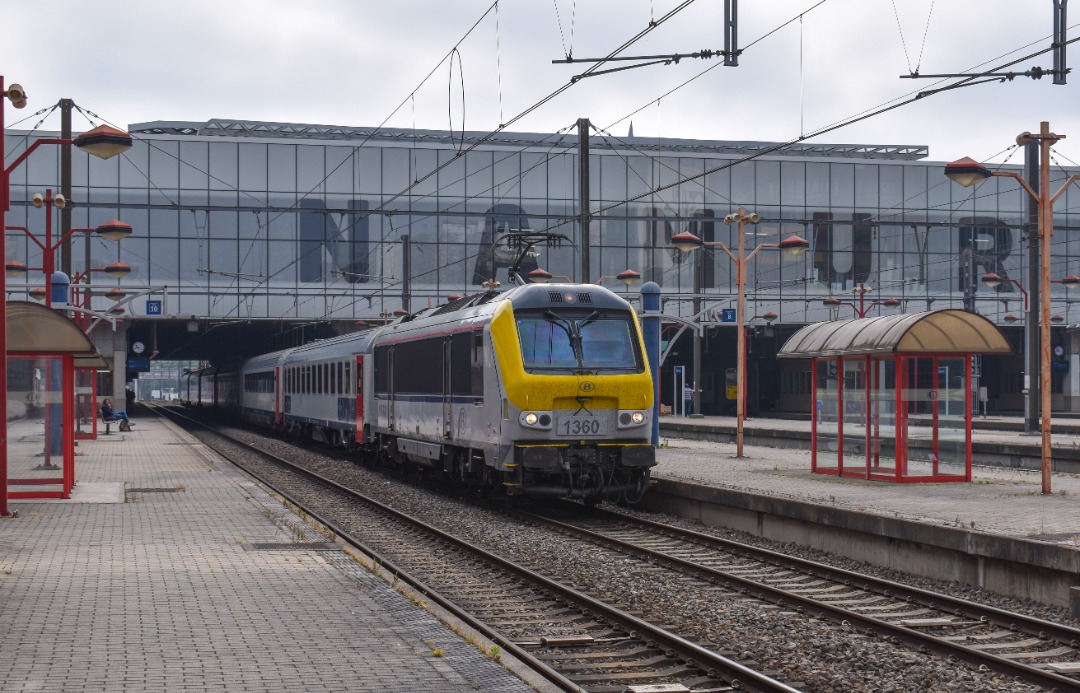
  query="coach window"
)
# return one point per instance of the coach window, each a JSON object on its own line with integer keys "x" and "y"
{"x": 478, "y": 364}
{"x": 348, "y": 378}
{"x": 382, "y": 370}
{"x": 461, "y": 357}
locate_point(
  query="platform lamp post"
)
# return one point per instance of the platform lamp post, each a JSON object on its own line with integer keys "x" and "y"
{"x": 628, "y": 277}
{"x": 541, "y": 276}
{"x": 994, "y": 280}
{"x": 792, "y": 245}
{"x": 113, "y": 230}
{"x": 968, "y": 172}
{"x": 104, "y": 142}
{"x": 862, "y": 309}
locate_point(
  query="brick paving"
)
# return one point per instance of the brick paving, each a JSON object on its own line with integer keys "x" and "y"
{"x": 146, "y": 580}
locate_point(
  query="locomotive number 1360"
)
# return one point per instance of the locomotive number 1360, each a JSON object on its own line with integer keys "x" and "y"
{"x": 581, "y": 426}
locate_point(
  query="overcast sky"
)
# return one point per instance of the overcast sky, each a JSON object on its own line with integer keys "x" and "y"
{"x": 366, "y": 62}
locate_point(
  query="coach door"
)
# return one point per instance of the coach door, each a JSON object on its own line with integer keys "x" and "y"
{"x": 359, "y": 399}
{"x": 448, "y": 393}
{"x": 277, "y": 395}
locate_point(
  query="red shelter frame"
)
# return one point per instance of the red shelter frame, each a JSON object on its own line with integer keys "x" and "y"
{"x": 893, "y": 394}
{"x": 45, "y": 348}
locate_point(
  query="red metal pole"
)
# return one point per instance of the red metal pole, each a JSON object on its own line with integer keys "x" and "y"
{"x": 47, "y": 260}
{"x": 67, "y": 416}
{"x": 840, "y": 415}
{"x": 868, "y": 420}
{"x": 814, "y": 413}
{"x": 5, "y": 196}
{"x": 935, "y": 406}
{"x": 968, "y": 422}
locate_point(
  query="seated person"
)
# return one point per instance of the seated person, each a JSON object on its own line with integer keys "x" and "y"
{"x": 107, "y": 412}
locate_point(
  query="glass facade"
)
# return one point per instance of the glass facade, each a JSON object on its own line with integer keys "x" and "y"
{"x": 237, "y": 219}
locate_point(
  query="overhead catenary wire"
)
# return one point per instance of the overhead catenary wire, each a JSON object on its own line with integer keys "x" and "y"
{"x": 824, "y": 130}
{"x": 390, "y": 212}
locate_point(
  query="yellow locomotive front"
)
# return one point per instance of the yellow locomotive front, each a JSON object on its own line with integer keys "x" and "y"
{"x": 578, "y": 394}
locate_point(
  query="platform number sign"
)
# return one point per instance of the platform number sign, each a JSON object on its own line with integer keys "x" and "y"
{"x": 727, "y": 315}
{"x": 153, "y": 307}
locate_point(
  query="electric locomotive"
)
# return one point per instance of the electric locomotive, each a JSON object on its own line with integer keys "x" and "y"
{"x": 541, "y": 390}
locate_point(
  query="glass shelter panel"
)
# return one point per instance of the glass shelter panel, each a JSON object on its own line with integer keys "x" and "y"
{"x": 855, "y": 407}
{"x": 881, "y": 421}
{"x": 954, "y": 374}
{"x": 36, "y": 449}
{"x": 827, "y": 428}
{"x": 85, "y": 403}
{"x": 936, "y": 403}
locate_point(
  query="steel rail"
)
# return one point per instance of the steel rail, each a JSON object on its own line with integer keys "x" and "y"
{"x": 846, "y": 617}
{"x": 739, "y": 675}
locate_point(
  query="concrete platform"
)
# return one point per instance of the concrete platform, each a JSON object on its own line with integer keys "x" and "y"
{"x": 147, "y": 580}
{"x": 998, "y": 531}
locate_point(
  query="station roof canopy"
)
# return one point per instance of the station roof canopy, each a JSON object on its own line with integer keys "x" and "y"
{"x": 934, "y": 332}
{"x": 36, "y": 329}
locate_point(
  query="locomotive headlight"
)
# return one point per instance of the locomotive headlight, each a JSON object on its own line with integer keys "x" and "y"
{"x": 631, "y": 419}
{"x": 536, "y": 419}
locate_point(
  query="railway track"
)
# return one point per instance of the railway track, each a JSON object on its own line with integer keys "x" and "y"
{"x": 1033, "y": 650}
{"x": 577, "y": 642}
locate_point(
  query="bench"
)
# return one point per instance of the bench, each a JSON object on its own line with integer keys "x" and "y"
{"x": 108, "y": 422}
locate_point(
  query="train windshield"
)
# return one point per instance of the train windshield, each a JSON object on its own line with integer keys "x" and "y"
{"x": 579, "y": 343}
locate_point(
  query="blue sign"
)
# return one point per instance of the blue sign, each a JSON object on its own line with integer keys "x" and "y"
{"x": 153, "y": 307}
{"x": 679, "y": 370}
{"x": 138, "y": 364}
{"x": 727, "y": 315}
{"x": 1059, "y": 366}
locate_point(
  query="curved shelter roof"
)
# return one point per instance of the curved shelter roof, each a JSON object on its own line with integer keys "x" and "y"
{"x": 35, "y": 329}
{"x": 934, "y": 332}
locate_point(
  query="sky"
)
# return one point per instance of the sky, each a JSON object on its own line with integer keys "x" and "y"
{"x": 472, "y": 64}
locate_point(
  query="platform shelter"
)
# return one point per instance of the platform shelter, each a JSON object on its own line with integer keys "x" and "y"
{"x": 893, "y": 395}
{"x": 45, "y": 349}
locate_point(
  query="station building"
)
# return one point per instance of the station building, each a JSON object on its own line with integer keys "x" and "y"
{"x": 251, "y": 236}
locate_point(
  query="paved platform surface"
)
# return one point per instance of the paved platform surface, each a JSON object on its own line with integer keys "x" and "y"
{"x": 999, "y": 500}
{"x": 148, "y": 580}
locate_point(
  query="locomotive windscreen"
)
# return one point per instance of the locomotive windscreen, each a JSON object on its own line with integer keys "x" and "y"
{"x": 577, "y": 342}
